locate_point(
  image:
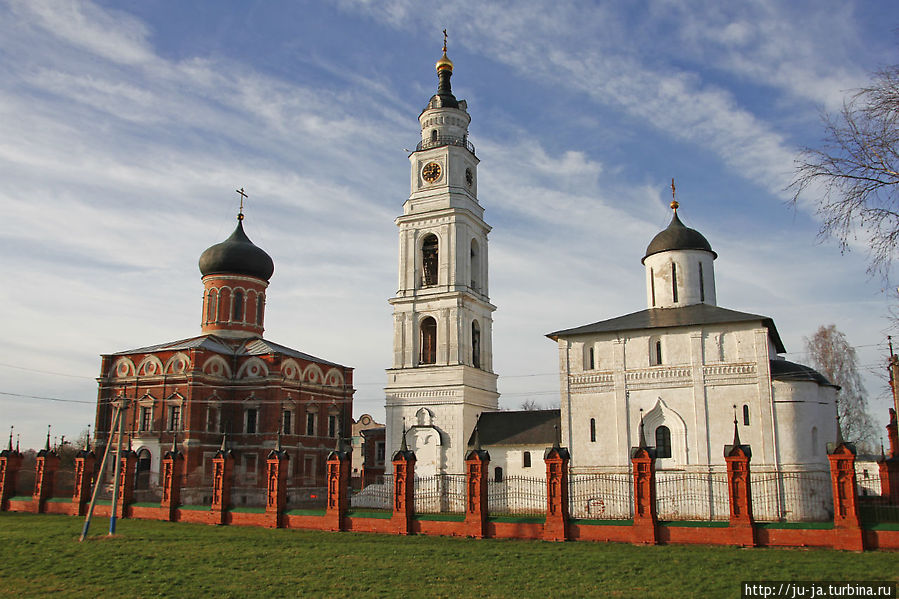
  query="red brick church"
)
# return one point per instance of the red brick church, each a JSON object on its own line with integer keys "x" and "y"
{"x": 228, "y": 385}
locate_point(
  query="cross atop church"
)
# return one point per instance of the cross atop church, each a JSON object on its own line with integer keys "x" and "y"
{"x": 674, "y": 204}
{"x": 444, "y": 41}
{"x": 243, "y": 196}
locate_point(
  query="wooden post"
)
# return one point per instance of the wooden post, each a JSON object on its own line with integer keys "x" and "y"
{"x": 172, "y": 467}
{"x": 84, "y": 473}
{"x": 403, "y": 489}
{"x": 276, "y": 494}
{"x": 222, "y": 473}
{"x": 556, "y": 526}
{"x": 846, "y": 526}
{"x": 338, "y": 490}
{"x": 739, "y": 492}
{"x": 476, "y": 463}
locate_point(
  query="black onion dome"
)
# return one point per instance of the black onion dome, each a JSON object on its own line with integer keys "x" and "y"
{"x": 237, "y": 255}
{"x": 678, "y": 236}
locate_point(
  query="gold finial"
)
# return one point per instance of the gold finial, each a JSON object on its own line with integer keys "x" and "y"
{"x": 674, "y": 204}
{"x": 243, "y": 195}
{"x": 444, "y": 62}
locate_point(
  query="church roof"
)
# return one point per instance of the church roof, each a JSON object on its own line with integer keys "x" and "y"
{"x": 658, "y": 318}
{"x": 237, "y": 255}
{"x": 524, "y": 427}
{"x": 678, "y": 236}
{"x": 255, "y": 346}
{"x": 783, "y": 370}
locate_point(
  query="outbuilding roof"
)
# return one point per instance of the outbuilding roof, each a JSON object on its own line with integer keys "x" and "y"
{"x": 523, "y": 427}
{"x": 783, "y": 370}
{"x": 658, "y": 318}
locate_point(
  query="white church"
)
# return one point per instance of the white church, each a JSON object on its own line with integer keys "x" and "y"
{"x": 683, "y": 366}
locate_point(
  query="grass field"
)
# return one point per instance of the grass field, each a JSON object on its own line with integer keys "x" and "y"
{"x": 41, "y": 556}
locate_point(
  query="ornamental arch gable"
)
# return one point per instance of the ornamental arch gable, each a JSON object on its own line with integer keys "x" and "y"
{"x": 122, "y": 368}
{"x": 178, "y": 364}
{"x": 663, "y": 416}
{"x": 252, "y": 368}
{"x": 150, "y": 366}
{"x": 217, "y": 366}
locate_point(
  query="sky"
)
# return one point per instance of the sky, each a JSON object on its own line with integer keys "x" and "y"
{"x": 125, "y": 128}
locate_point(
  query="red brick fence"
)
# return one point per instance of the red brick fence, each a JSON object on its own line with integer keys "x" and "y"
{"x": 555, "y": 523}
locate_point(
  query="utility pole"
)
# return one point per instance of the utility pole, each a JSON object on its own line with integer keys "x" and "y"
{"x": 118, "y": 468}
{"x": 117, "y": 415}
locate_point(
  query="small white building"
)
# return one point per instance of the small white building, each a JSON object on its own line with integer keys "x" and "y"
{"x": 689, "y": 369}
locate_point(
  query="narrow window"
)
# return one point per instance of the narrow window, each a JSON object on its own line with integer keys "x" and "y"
{"x": 815, "y": 440}
{"x": 238, "y": 306}
{"x": 174, "y": 418}
{"x": 591, "y": 359}
{"x": 657, "y": 352}
{"x": 526, "y": 459}
{"x": 146, "y": 419}
{"x": 310, "y": 424}
{"x": 286, "y": 424}
{"x": 429, "y": 260}
{"x": 251, "y": 421}
{"x": 433, "y": 135}
{"x": 475, "y": 344}
{"x": 473, "y": 266}
{"x": 251, "y": 303}
{"x": 260, "y": 305}
{"x": 674, "y": 282}
{"x": 428, "y": 353}
{"x": 701, "y": 285}
{"x": 332, "y": 425}
{"x": 211, "y": 306}
{"x": 745, "y": 415}
{"x": 498, "y": 475}
{"x": 380, "y": 452}
{"x": 652, "y": 287}
{"x": 593, "y": 430}
{"x": 663, "y": 442}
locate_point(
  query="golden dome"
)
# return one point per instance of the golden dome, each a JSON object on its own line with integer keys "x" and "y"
{"x": 444, "y": 63}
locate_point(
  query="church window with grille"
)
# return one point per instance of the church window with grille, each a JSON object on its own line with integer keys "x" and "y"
{"x": 429, "y": 260}
{"x": 252, "y": 416}
{"x": 498, "y": 474}
{"x": 174, "y": 418}
{"x": 310, "y": 424}
{"x": 146, "y": 419}
{"x": 332, "y": 425}
{"x": 655, "y": 349}
{"x": 663, "y": 442}
{"x": 211, "y": 304}
{"x": 286, "y": 424}
{"x": 526, "y": 459}
{"x": 428, "y": 353}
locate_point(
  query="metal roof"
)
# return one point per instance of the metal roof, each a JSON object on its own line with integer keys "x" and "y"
{"x": 524, "y": 427}
{"x": 658, "y": 318}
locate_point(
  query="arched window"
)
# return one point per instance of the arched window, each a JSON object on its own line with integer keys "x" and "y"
{"x": 238, "y": 306}
{"x": 260, "y": 309}
{"x": 663, "y": 442}
{"x": 655, "y": 352}
{"x": 433, "y": 135}
{"x": 745, "y": 415}
{"x": 475, "y": 344}
{"x": 142, "y": 480}
{"x": 593, "y": 430}
{"x": 498, "y": 474}
{"x": 429, "y": 262}
{"x": 211, "y": 305}
{"x": 674, "y": 282}
{"x": 474, "y": 266}
{"x": 526, "y": 459}
{"x": 428, "y": 354}
{"x": 591, "y": 358}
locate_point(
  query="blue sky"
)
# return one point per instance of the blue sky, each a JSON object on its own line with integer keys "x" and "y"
{"x": 126, "y": 126}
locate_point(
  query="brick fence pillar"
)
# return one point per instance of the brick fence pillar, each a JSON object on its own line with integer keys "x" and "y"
{"x": 128, "y": 465}
{"x": 889, "y": 466}
{"x": 172, "y": 467}
{"x": 403, "y": 489}
{"x": 84, "y": 473}
{"x": 44, "y": 472}
{"x": 476, "y": 463}
{"x": 10, "y": 463}
{"x": 556, "y": 526}
{"x": 222, "y": 474}
{"x": 742, "y": 524}
{"x": 276, "y": 494}
{"x": 644, "y": 473}
{"x": 847, "y": 532}
{"x": 338, "y": 490}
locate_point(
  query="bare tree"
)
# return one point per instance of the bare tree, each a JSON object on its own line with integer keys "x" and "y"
{"x": 856, "y": 171}
{"x": 833, "y": 357}
{"x": 530, "y": 405}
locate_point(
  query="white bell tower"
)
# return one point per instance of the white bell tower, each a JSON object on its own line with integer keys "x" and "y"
{"x": 442, "y": 375}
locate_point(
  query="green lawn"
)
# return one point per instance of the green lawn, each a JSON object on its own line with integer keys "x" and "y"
{"x": 40, "y": 555}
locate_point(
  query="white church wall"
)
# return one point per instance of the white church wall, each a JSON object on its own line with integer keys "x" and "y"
{"x": 806, "y": 421}
{"x": 692, "y": 287}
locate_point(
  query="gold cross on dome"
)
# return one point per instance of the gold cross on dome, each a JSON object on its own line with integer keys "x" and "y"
{"x": 243, "y": 196}
{"x": 444, "y": 41}
{"x": 674, "y": 204}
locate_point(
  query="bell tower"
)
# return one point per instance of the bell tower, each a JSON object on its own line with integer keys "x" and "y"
{"x": 442, "y": 375}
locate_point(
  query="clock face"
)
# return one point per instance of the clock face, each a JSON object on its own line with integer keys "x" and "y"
{"x": 431, "y": 172}
{"x": 469, "y": 176}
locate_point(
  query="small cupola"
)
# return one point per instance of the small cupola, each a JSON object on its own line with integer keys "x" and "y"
{"x": 679, "y": 265}
{"x": 235, "y": 273}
